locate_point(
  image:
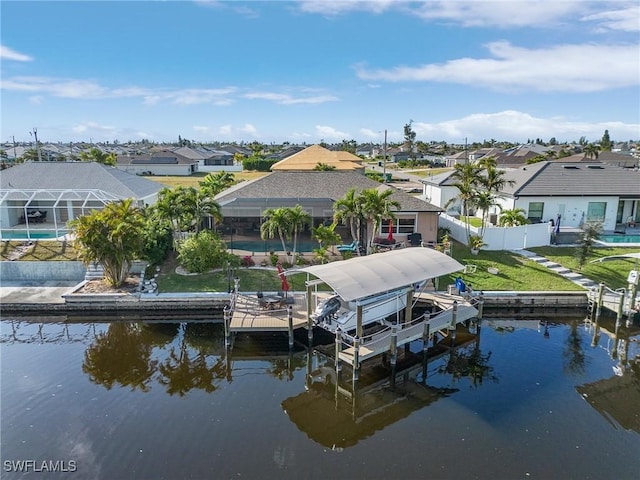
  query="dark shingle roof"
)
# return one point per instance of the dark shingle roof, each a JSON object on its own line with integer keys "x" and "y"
{"x": 573, "y": 179}
{"x": 311, "y": 184}
{"x": 77, "y": 176}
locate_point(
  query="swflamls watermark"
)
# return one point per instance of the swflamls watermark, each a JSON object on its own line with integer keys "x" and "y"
{"x": 25, "y": 466}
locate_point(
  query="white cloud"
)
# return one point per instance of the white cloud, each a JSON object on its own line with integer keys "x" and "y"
{"x": 250, "y": 129}
{"x": 571, "y": 68}
{"x": 330, "y": 133}
{"x": 200, "y": 129}
{"x": 333, "y": 8}
{"x": 287, "y": 99}
{"x": 225, "y": 130}
{"x": 36, "y": 100}
{"x": 370, "y": 133}
{"x": 626, "y": 18}
{"x": 94, "y": 127}
{"x": 511, "y": 125}
{"x": 501, "y": 14}
{"x": 8, "y": 54}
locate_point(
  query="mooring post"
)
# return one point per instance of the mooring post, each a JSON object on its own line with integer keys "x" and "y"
{"x": 356, "y": 358}
{"x": 425, "y": 346}
{"x": 227, "y": 321}
{"x": 309, "y": 319}
{"x": 601, "y": 288}
{"x": 480, "y": 305}
{"x": 338, "y": 363}
{"x": 454, "y": 322}
{"x": 394, "y": 345}
{"x": 620, "y": 311}
{"x": 290, "y": 318}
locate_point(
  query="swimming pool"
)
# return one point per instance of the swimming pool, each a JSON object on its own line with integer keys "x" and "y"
{"x": 31, "y": 235}
{"x": 270, "y": 245}
{"x": 618, "y": 238}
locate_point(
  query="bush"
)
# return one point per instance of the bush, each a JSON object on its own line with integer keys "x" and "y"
{"x": 247, "y": 261}
{"x": 273, "y": 256}
{"x": 202, "y": 252}
{"x": 257, "y": 164}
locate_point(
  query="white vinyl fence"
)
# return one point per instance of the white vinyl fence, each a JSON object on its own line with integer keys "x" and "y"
{"x": 501, "y": 238}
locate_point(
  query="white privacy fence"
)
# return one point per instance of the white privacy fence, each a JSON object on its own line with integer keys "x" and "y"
{"x": 501, "y": 238}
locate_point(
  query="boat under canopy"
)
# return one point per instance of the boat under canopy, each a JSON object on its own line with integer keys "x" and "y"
{"x": 361, "y": 277}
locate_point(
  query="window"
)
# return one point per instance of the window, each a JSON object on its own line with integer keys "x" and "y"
{"x": 400, "y": 225}
{"x": 595, "y": 211}
{"x": 536, "y": 209}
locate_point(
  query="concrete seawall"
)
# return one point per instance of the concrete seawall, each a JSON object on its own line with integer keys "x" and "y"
{"x": 18, "y": 271}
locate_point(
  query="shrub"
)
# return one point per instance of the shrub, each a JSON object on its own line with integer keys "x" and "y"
{"x": 247, "y": 261}
{"x": 273, "y": 257}
{"x": 202, "y": 252}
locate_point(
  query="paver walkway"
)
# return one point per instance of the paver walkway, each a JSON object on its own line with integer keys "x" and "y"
{"x": 576, "y": 278}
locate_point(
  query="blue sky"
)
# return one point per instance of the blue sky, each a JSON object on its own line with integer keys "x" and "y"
{"x": 306, "y": 71}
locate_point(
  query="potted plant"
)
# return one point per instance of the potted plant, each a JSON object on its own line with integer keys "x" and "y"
{"x": 475, "y": 244}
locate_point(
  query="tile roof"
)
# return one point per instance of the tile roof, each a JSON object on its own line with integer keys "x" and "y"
{"x": 308, "y": 158}
{"x": 314, "y": 184}
{"x": 77, "y": 176}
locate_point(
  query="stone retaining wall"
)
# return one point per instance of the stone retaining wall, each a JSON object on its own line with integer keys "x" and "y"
{"x": 20, "y": 271}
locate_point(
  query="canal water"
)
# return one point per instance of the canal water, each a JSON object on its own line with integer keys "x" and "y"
{"x": 149, "y": 400}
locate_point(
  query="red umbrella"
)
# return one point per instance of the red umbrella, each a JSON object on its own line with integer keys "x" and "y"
{"x": 390, "y": 236}
{"x": 283, "y": 278}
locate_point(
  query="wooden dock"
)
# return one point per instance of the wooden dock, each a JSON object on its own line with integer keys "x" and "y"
{"x": 247, "y": 315}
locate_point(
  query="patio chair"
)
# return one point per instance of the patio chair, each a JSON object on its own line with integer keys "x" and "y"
{"x": 352, "y": 247}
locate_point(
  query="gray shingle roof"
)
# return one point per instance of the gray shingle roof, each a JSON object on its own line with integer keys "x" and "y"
{"x": 573, "y": 179}
{"x": 312, "y": 184}
{"x": 77, "y": 176}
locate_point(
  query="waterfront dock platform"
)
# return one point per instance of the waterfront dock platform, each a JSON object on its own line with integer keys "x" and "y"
{"x": 248, "y": 314}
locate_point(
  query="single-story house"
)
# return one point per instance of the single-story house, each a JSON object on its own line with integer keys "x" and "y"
{"x": 578, "y": 191}
{"x": 243, "y": 205}
{"x": 37, "y": 199}
{"x": 210, "y": 160}
{"x": 160, "y": 162}
{"x": 310, "y": 157}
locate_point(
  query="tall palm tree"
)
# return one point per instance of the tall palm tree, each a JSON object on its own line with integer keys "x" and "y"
{"x": 377, "y": 205}
{"x": 490, "y": 184}
{"x": 347, "y": 210}
{"x": 465, "y": 178}
{"x": 205, "y": 207}
{"x": 97, "y": 155}
{"x": 299, "y": 219}
{"x": 276, "y": 223}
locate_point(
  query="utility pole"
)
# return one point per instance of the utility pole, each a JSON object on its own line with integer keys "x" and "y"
{"x": 13, "y": 137}
{"x": 35, "y": 135}
{"x": 384, "y": 160}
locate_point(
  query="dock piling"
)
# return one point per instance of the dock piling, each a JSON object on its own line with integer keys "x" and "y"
{"x": 227, "y": 321}
{"x": 454, "y": 321}
{"x": 356, "y": 358}
{"x": 601, "y": 288}
{"x": 290, "y": 318}
{"x": 338, "y": 350}
{"x": 394, "y": 345}
{"x": 425, "y": 346}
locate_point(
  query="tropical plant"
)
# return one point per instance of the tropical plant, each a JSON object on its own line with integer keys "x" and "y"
{"x": 591, "y": 151}
{"x": 112, "y": 237}
{"x": 377, "y": 205}
{"x": 326, "y": 236}
{"x": 590, "y": 232}
{"x": 202, "y": 252}
{"x": 465, "y": 178}
{"x": 214, "y": 183}
{"x": 276, "y": 223}
{"x": 323, "y": 167}
{"x": 186, "y": 208}
{"x": 476, "y": 242}
{"x": 96, "y": 155}
{"x": 347, "y": 211}
{"x": 513, "y": 217}
{"x": 299, "y": 219}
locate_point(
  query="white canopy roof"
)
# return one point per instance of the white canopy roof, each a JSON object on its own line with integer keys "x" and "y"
{"x": 361, "y": 277}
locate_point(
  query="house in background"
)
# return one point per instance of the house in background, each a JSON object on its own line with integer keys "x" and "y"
{"x": 210, "y": 160}
{"x": 37, "y": 199}
{"x": 243, "y": 205}
{"x": 579, "y": 191}
{"x": 309, "y": 158}
{"x": 158, "y": 162}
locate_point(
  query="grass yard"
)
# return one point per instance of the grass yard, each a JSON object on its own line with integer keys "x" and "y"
{"x": 194, "y": 180}
{"x": 40, "y": 251}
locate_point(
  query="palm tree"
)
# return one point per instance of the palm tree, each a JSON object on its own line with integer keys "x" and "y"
{"x": 276, "y": 222}
{"x": 465, "y": 178}
{"x": 214, "y": 183}
{"x": 97, "y": 155}
{"x": 591, "y": 151}
{"x": 112, "y": 237}
{"x": 490, "y": 184}
{"x": 299, "y": 219}
{"x": 326, "y": 236}
{"x": 205, "y": 206}
{"x": 513, "y": 218}
{"x": 377, "y": 205}
{"x": 347, "y": 210}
